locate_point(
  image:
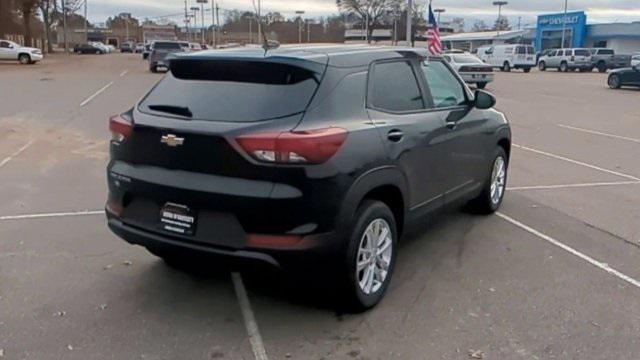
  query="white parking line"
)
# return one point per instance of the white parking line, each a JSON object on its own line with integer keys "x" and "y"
{"x": 18, "y": 152}
{"x": 600, "y": 133}
{"x": 51, "y": 215}
{"x": 82, "y": 104}
{"x": 631, "y": 177}
{"x": 587, "y": 258}
{"x": 567, "y": 186}
{"x": 250, "y": 323}
{"x": 124, "y": 73}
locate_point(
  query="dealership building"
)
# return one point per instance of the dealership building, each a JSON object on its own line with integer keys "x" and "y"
{"x": 624, "y": 38}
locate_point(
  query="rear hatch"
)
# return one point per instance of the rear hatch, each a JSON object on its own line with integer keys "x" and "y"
{"x": 525, "y": 55}
{"x": 183, "y": 148}
{"x": 162, "y": 49}
{"x": 581, "y": 56}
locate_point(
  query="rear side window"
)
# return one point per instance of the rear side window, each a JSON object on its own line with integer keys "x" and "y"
{"x": 605, "y": 52}
{"x": 394, "y": 87}
{"x": 232, "y": 91}
{"x": 521, "y": 50}
{"x": 445, "y": 88}
{"x": 582, "y": 53}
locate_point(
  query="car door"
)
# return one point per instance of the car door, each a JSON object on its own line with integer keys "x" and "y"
{"x": 413, "y": 134}
{"x": 465, "y": 159}
{"x": 6, "y": 52}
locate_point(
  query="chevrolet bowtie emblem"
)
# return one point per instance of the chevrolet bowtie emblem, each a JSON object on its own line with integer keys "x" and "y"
{"x": 172, "y": 140}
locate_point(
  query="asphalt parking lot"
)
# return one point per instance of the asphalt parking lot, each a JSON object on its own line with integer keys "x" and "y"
{"x": 553, "y": 275}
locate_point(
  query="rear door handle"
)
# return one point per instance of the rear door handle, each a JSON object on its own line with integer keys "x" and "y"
{"x": 395, "y": 135}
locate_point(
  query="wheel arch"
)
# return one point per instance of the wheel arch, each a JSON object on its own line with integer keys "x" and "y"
{"x": 385, "y": 184}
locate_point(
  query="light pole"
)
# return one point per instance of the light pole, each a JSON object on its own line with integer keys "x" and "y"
{"x": 86, "y": 33}
{"x": 499, "y": 4}
{"x": 409, "y": 21}
{"x": 564, "y": 23}
{"x": 202, "y": 2}
{"x": 64, "y": 23}
{"x": 186, "y": 20}
{"x": 300, "y": 13}
{"x": 439, "y": 11}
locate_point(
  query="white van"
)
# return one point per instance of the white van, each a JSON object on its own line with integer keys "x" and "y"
{"x": 509, "y": 56}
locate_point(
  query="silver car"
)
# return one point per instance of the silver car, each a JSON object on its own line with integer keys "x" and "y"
{"x": 159, "y": 51}
{"x": 471, "y": 69}
{"x": 566, "y": 60}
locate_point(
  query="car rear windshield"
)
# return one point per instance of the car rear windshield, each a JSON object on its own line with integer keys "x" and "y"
{"x": 166, "y": 45}
{"x": 231, "y": 90}
{"x": 582, "y": 52}
{"x": 466, "y": 59}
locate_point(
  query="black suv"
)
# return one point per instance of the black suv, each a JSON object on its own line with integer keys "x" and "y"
{"x": 303, "y": 156}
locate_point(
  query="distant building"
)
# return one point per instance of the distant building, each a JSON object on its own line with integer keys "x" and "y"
{"x": 624, "y": 38}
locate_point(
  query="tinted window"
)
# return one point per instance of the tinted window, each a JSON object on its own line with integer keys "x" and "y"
{"x": 235, "y": 91}
{"x": 582, "y": 53}
{"x": 521, "y": 50}
{"x": 395, "y": 87}
{"x": 4, "y": 44}
{"x": 166, "y": 45}
{"x": 605, "y": 52}
{"x": 445, "y": 88}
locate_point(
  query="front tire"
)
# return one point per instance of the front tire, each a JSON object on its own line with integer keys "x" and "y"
{"x": 370, "y": 256}
{"x": 490, "y": 200}
{"x": 24, "y": 59}
{"x": 481, "y": 85}
{"x": 153, "y": 69}
{"x": 542, "y": 66}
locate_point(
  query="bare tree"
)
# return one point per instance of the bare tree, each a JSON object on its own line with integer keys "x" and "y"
{"x": 48, "y": 9}
{"x": 479, "y": 26}
{"x": 372, "y": 12}
{"x": 26, "y": 9}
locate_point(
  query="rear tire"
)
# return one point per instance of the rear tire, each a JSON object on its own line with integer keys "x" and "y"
{"x": 370, "y": 257}
{"x": 564, "y": 67}
{"x": 153, "y": 69}
{"x": 602, "y": 67}
{"x": 542, "y": 66}
{"x": 527, "y": 70}
{"x": 614, "y": 81}
{"x": 24, "y": 59}
{"x": 506, "y": 67}
{"x": 490, "y": 200}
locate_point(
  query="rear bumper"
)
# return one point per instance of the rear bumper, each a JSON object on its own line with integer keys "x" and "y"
{"x": 308, "y": 252}
{"x": 473, "y": 78}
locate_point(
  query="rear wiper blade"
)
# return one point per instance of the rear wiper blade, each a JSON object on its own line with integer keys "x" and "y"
{"x": 171, "y": 109}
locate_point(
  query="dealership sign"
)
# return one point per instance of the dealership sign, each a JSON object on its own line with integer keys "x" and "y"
{"x": 569, "y": 19}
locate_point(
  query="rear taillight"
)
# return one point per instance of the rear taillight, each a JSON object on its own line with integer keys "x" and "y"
{"x": 294, "y": 147}
{"x": 120, "y": 127}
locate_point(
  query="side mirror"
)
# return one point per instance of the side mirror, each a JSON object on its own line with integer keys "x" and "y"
{"x": 484, "y": 100}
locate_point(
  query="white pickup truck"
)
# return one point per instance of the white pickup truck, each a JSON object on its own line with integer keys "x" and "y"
{"x": 15, "y": 52}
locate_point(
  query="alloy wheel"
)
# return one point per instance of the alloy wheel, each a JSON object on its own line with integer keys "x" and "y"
{"x": 374, "y": 256}
{"x": 498, "y": 180}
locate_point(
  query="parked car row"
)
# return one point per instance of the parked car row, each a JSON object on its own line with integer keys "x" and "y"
{"x": 582, "y": 59}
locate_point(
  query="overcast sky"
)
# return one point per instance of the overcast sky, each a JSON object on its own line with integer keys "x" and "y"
{"x": 471, "y": 10}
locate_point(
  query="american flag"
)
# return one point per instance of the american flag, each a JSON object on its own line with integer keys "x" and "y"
{"x": 433, "y": 35}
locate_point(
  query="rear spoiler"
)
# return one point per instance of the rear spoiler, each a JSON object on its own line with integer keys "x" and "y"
{"x": 178, "y": 61}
